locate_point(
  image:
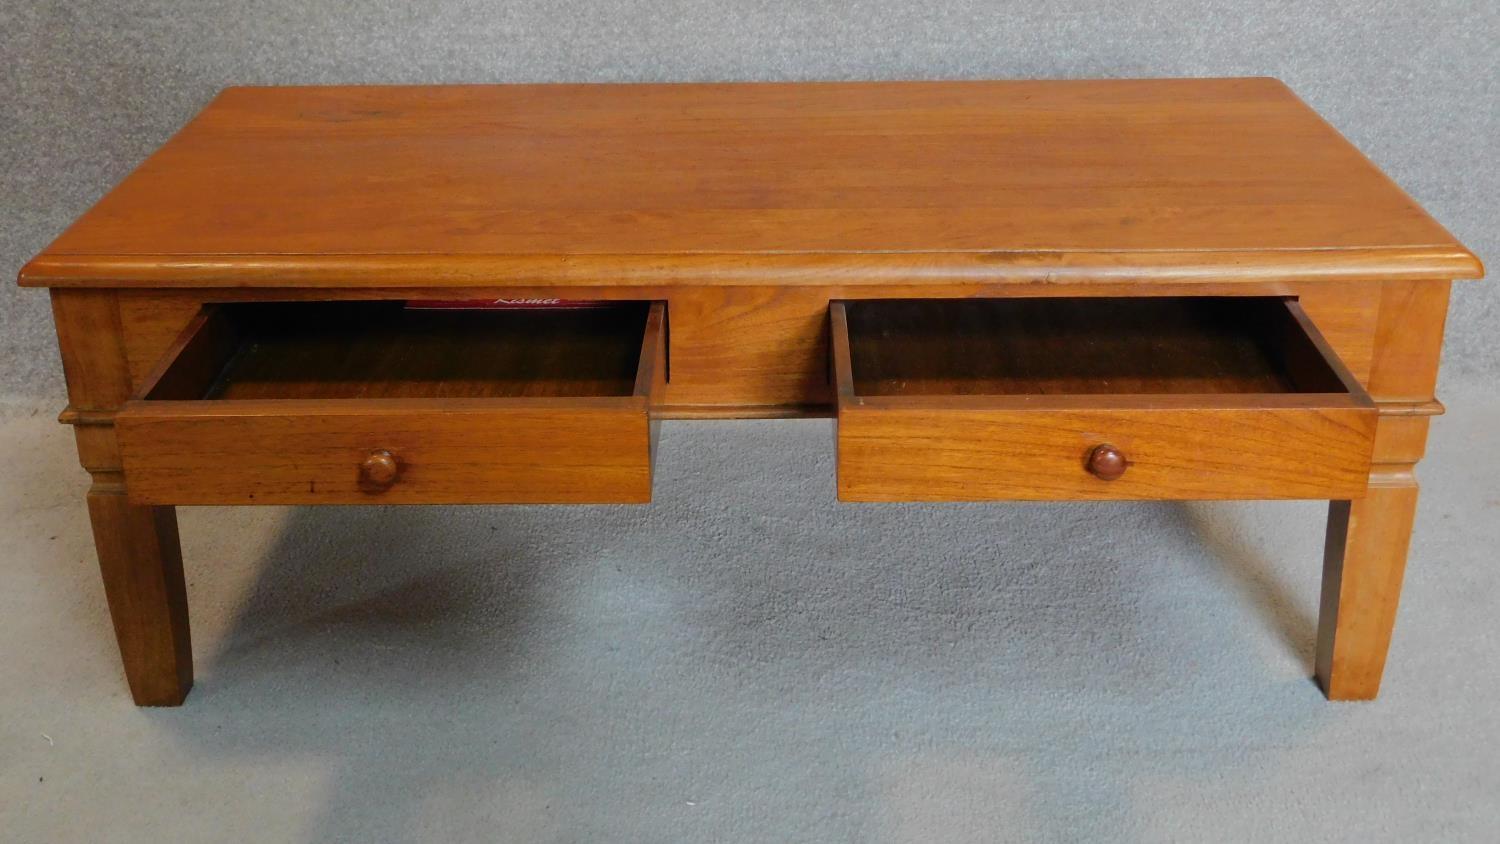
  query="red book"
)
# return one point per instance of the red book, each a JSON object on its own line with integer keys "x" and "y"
{"x": 501, "y": 304}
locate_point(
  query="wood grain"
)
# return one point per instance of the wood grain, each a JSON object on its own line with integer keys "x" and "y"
{"x": 943, "y": 430}
{"x": 286, "y": 418}
{"x": 1368, "y": 540}
{"x": 140, "y": 558}
{"x": 847, "y": 183}
{"x": 1409, "y": 340}
{"x": 356, "y": 350}
{"x": 91, "y": 339}
{"x": 450, "y": 451}
{"x": 1078, "y": 346}
{"x": 760, "y": 351}
{"x": 747, "y": 208}
{"x": 1003, "y": 453}
{"x": 1364, "y": 564}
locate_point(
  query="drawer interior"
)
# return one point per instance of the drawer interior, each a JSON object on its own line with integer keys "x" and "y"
{"x": 384, "y": 349}
{"x": 1087, "y": 346}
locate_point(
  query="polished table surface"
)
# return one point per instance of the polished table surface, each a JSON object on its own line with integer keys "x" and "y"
{"x": 1213, "y": 178}
{"x": 763, "y": 220}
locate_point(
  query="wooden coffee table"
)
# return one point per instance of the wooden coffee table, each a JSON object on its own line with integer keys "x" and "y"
{"x": 1167, "y": 289}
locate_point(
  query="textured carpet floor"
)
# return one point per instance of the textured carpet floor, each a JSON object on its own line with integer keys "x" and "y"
{"x": 746, "y": 660}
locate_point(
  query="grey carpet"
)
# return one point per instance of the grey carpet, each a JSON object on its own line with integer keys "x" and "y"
{"x": 746, "y": 660}
{"x": 88, "y": 89}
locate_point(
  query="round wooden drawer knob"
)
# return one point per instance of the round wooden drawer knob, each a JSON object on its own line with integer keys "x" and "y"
{"x": 378, "y": 471}
{"x": 1106, "y": 462}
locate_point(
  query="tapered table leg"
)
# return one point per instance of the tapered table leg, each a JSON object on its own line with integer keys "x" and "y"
{"x": 139, "y": 555}
{"x": 1365, "y": 555}
{"x": 1364, "y": 561}
{"x": 141, "y": 562}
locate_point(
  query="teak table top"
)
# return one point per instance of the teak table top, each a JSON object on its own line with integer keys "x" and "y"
{"x": 1208, "y": 179}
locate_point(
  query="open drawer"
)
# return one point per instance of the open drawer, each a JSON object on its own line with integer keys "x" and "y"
{"x": 375, "y": 402}
{"x": 1093, "y": 398}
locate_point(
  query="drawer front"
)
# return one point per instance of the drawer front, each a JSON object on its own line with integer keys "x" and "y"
{"x": 357, "y": 427}
{"x": 390, "y": 452}
{"x": 902, "y": 454}
{"x": 1063, "y": 401}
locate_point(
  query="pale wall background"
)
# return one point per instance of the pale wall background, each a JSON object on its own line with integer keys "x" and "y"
{"x": 88, "y": 89}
